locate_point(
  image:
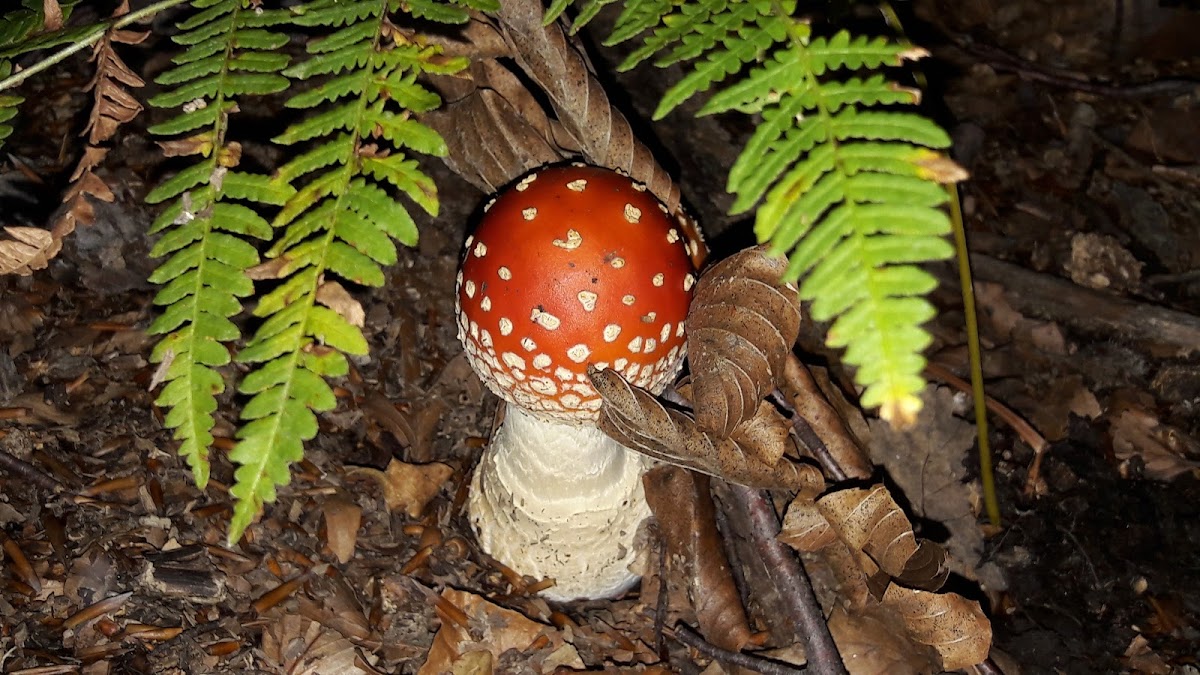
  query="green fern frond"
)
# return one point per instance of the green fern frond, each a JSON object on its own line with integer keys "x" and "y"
{"x": 449, "y": 12}
{"x": 722, "y": 36}
{"x": 341, "y": 221}
{"x": 19, "y": 24}
{"x": 853, "y": 195}
{"x": 586, "y": 13}
{"x": 638, "y": 17}
{"x": 850, "y": 188}
{"x": 206, "y": 227}
{"x": 9, "y": 104}
{"x": 16, "y": 27}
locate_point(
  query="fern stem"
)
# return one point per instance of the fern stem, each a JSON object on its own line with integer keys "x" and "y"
{"x": 986, "y": 475}
{"x": 85, "y": 42}
{"x": 974, "y": 358}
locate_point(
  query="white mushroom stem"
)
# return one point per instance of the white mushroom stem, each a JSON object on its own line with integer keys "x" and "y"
{"x": 560, "y": 501}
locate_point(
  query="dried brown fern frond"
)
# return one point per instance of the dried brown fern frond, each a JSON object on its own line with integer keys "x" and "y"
{"x": 112, "y": 106}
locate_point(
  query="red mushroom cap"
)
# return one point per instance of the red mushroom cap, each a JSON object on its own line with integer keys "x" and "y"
{"x": 574, "y": 265}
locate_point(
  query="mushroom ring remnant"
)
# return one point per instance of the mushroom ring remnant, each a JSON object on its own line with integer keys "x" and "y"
{"x": 572, "y": 266}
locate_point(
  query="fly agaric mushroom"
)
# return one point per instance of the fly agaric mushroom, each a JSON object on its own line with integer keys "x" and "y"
{"x": 573, "y": 266}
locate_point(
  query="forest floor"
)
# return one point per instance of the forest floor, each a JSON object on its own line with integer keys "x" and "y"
{"x": 1083, "y": 212}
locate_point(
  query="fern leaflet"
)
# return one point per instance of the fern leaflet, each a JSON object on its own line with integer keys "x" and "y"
{"x": 852, "y": 194}
{"x": 16, "y": 26}
{"x": 9, "y": 103}
{"x": 206, "y": 227}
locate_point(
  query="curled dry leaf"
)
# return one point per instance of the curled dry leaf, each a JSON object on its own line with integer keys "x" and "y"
{"x": 493, "y": 126}
{"x": 804, "y": 528}
{"x": 873, "y": 641}
{"x": 335, "y": 296}
{"x": 766, "y": 436}
{"x": 637, "y": 420}
{"x": 471, "y": 624}
{"x": 296, "y": 645}
{"x": 497, "y": 129}
{"x": 28, "y": 250}
{"x": 741, "y": 326}
{"x": 1164, "y": 451}
{"x": 408, "y": 487}
{"x": 683, "y": 507}
{"x": 954, "y": 626}
{"x": 869, "y": 520}
{"x": 578, "y": 100}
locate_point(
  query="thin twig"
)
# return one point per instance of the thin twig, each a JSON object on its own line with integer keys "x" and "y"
{"x": 685, "y": 635}
{"x": 1001, "y": 60}
{"x": 806, "y": 397}
{"x": 812, "y": 442}
{"x": 988, "y": 667}
{"x": 785, "y": 571}
{"x": 86, "y": 41}
{"x": 662, "y": 604}
{"x": 24, "y": 470}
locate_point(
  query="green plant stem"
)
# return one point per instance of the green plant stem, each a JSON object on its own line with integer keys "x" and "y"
{"x": 986, "y": 475}
{"x": 89, "y": 40}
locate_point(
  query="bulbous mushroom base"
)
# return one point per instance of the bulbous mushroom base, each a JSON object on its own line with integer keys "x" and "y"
{"x": 560, "y": 501}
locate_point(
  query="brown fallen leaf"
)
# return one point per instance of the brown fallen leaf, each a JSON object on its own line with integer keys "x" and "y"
{"x": 639, "y": 421}
{"x": 342, "y": 518}
{"x": 295, "y": 645}
{"x": 331, "y": 601}
{"x": 683, "y": 507}
{"x": 471, "y": 624}
{"x": 926, "y": 463}
{"x": 741, "y": 327}
{"x": 1051, "y": 412}
{"x": 558, "y": 66}
{"x": 766, "y": 436}
{"x": 873, "y": 642}
{"x": 804, "y": 528}
{"x": 1139, "y": 657}
{"x": 27, "y": 250}
{"x": 335, "y": 296}
{"x": 1164, "y": 451}
{"x": 871, "y": 521}
{"x": 408, "y": 487}
{"x": 496, "y": 130}
{"x": 954, "y": 626}
{"x": 996, "y": 314}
